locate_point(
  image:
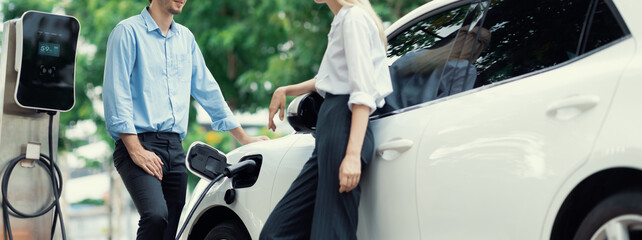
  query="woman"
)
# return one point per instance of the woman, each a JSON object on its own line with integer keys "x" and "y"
{"x": 322, "y": 203}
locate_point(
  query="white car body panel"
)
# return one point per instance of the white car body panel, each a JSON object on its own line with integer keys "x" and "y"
{"x": 466, "y": 177}
{"x": 291, "y": 165}
{"x": 383, "y": 187}
{"x": 499, "y": 169}
{"x": 630, "y": 11}
{"x": 619, "y": 144}
{"x": 246, "y": 205}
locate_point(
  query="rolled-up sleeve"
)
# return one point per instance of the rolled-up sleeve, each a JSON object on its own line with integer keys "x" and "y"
{"x": 208, "y": 94}
{"x": 117, "y": 97}
{"x": 359, "y": 61}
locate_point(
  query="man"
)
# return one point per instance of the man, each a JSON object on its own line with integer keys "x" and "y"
{"x": 152, "y": 67}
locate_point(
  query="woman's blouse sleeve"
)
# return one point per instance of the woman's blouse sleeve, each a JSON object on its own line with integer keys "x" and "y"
{"x": 357, "y": 34}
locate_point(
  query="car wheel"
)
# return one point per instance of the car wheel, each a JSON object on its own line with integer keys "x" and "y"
{"x": 228, "y": 230}
{"x": 616, "y": 217}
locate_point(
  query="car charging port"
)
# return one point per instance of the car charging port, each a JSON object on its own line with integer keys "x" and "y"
{"x": 248, "y": 176}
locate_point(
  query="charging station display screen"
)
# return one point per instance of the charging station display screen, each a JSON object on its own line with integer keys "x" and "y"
{"x": 46, "y": 78}
{"x": 49, "y": 49}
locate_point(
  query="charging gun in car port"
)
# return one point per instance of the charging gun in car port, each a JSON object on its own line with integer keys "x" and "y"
{"x": 209, "y": 163}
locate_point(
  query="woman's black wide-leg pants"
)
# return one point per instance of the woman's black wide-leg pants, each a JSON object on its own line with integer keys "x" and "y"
{"x": 313, "y": 208}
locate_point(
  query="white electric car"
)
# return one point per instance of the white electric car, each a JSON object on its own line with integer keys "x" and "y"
{"x": 510, "y": 119}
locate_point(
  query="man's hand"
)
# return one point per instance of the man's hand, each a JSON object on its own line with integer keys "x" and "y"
{"x": 277, "y": 105}
{"x": 349, "y": 172}
{"x": 249, "y": 139}
{"x": 243, "y": 138}
{"x": 143, "y": 158}
{"x": 149, "y": 162}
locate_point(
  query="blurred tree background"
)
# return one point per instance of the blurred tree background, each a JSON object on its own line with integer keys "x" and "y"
{"x": 251, "y": 47}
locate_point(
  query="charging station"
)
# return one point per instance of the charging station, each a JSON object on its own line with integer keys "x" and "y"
{"x": 37, "y": 70}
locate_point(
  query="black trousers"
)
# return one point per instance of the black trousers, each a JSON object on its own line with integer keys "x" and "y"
{"x": 313, "y": 208}
{"x": 159, "y": 203}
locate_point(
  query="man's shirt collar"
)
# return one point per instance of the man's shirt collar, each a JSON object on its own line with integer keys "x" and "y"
{"x": 151, "y": 24}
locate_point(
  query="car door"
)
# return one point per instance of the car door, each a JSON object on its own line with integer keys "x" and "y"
{"x": 417, "y": 53}
{"x": 492, "y": 158}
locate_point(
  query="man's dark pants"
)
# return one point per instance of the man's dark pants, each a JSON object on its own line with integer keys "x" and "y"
{"x": 159, "y": 203}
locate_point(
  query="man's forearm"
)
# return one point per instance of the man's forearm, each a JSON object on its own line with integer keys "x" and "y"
{"x": 131, "y": 142}
{"x": 240, "y": 135}
{"x": 243, "y": 138}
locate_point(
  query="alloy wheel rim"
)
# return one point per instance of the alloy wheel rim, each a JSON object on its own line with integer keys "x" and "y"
{"x": 619, "y": 228}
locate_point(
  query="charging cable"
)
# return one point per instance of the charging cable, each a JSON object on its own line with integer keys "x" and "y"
{"x": 56, "y": 182}
{"x": 229, "y": 172}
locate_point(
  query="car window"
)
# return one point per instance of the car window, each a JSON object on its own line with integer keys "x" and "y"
{"x": 529, "y": 36}
{"x": 420, "y": 55}
{"x": 533, "y": 35}
{"x": 604, "y": 27}
{"x": 478, "y": 44}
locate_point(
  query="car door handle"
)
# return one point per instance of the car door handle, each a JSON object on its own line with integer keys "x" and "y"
{"x": 392, "y": 149}
{"x": 571, "y": 107}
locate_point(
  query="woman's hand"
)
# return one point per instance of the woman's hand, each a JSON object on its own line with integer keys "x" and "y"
{"x": 350, "y": 169}
{"x": 349, "y": 172}
{"x": 277, "y": 104}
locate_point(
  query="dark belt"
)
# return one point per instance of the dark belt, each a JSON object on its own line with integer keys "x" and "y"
{"x": 151, "y": 136}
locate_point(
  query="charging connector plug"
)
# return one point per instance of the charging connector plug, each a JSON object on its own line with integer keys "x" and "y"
{"x": 235, "y": 169}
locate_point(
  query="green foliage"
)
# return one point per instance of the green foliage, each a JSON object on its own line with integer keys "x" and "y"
{"x": 89, "y": 201}
{"x": 15, "y": 9}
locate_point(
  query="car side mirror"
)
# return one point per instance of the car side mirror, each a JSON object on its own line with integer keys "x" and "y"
{"x": 303, "y": 111}
{"x": 205, "y": 161}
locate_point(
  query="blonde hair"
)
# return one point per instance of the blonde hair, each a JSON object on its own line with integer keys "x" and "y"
{"x": 365, "y": 4}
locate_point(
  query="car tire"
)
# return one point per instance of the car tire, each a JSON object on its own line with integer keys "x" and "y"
{"x": 616, "y": 217}
{"x": 228, "y": 230}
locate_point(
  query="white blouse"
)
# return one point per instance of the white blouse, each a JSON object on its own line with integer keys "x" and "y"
{"x": 355, "y": 60}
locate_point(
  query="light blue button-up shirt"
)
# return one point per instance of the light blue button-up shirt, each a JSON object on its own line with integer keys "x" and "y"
{"x": 149, "y": 79}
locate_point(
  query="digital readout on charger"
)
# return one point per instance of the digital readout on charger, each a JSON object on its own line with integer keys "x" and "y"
{"x": 49, "y": 49}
